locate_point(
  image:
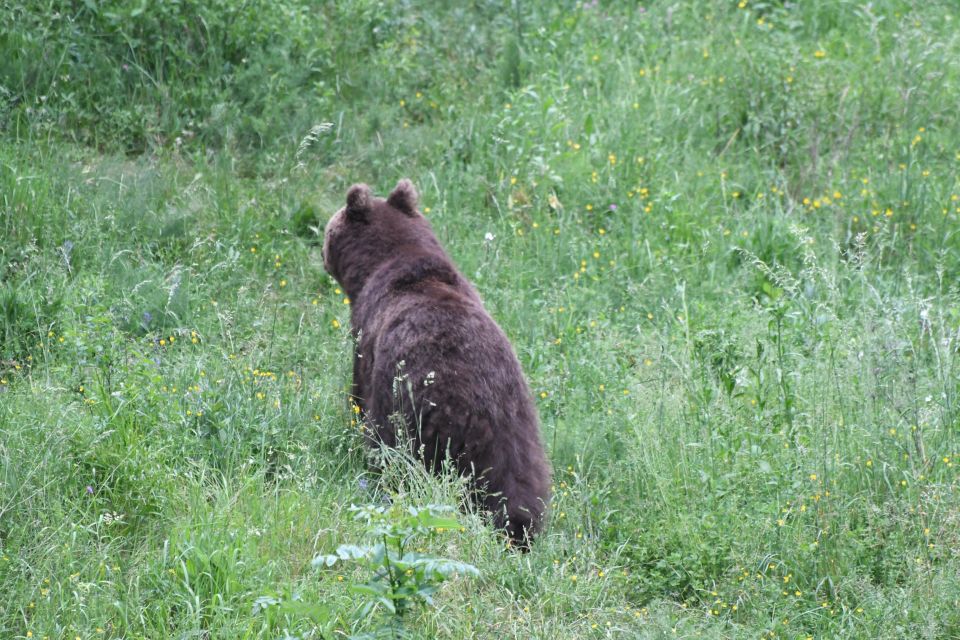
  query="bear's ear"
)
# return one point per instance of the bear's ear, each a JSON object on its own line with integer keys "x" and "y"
{"x": 358, "y": 202}
{"x": 404, "y": 197}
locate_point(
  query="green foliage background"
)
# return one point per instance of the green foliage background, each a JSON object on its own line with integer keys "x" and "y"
{"x": 721, "y": 235}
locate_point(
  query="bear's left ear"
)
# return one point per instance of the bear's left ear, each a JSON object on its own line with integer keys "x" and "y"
{"x": 358, "y": 202}
{"x": 404, "y": 197}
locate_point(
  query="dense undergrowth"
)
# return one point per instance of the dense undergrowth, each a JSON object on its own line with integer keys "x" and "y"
{"x": 722, "y": 237}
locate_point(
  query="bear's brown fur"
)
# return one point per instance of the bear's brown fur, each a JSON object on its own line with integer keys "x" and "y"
{"x": 429, "y": 354}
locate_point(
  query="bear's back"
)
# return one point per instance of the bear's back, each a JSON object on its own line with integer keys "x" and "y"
{"x": 436, "y": 357}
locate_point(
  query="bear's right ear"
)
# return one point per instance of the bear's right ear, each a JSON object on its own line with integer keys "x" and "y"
{"x": 404, "y": 197}
{"x": 358, "y": 202}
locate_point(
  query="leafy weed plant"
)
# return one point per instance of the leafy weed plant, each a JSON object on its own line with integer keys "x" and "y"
{"x": 402, "y": 577}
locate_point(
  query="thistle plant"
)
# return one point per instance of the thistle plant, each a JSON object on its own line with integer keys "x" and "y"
{"x": 402, "y": 577}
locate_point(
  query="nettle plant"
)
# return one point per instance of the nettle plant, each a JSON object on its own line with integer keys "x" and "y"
{"x": 402, "y": 577}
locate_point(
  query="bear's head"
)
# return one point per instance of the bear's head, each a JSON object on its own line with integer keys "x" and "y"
{"x": 370, "y": 231}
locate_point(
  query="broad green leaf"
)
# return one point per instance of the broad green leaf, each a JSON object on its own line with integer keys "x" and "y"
{"x": 324, "y": 561}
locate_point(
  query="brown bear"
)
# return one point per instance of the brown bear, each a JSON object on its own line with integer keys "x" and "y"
{"x": 430, "y": 360}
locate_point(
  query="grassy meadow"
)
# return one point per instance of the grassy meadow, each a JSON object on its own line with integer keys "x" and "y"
{"x": 722, "y": 237}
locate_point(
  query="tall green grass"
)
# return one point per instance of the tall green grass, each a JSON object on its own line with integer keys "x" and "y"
{"x": 722, "y": 237}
